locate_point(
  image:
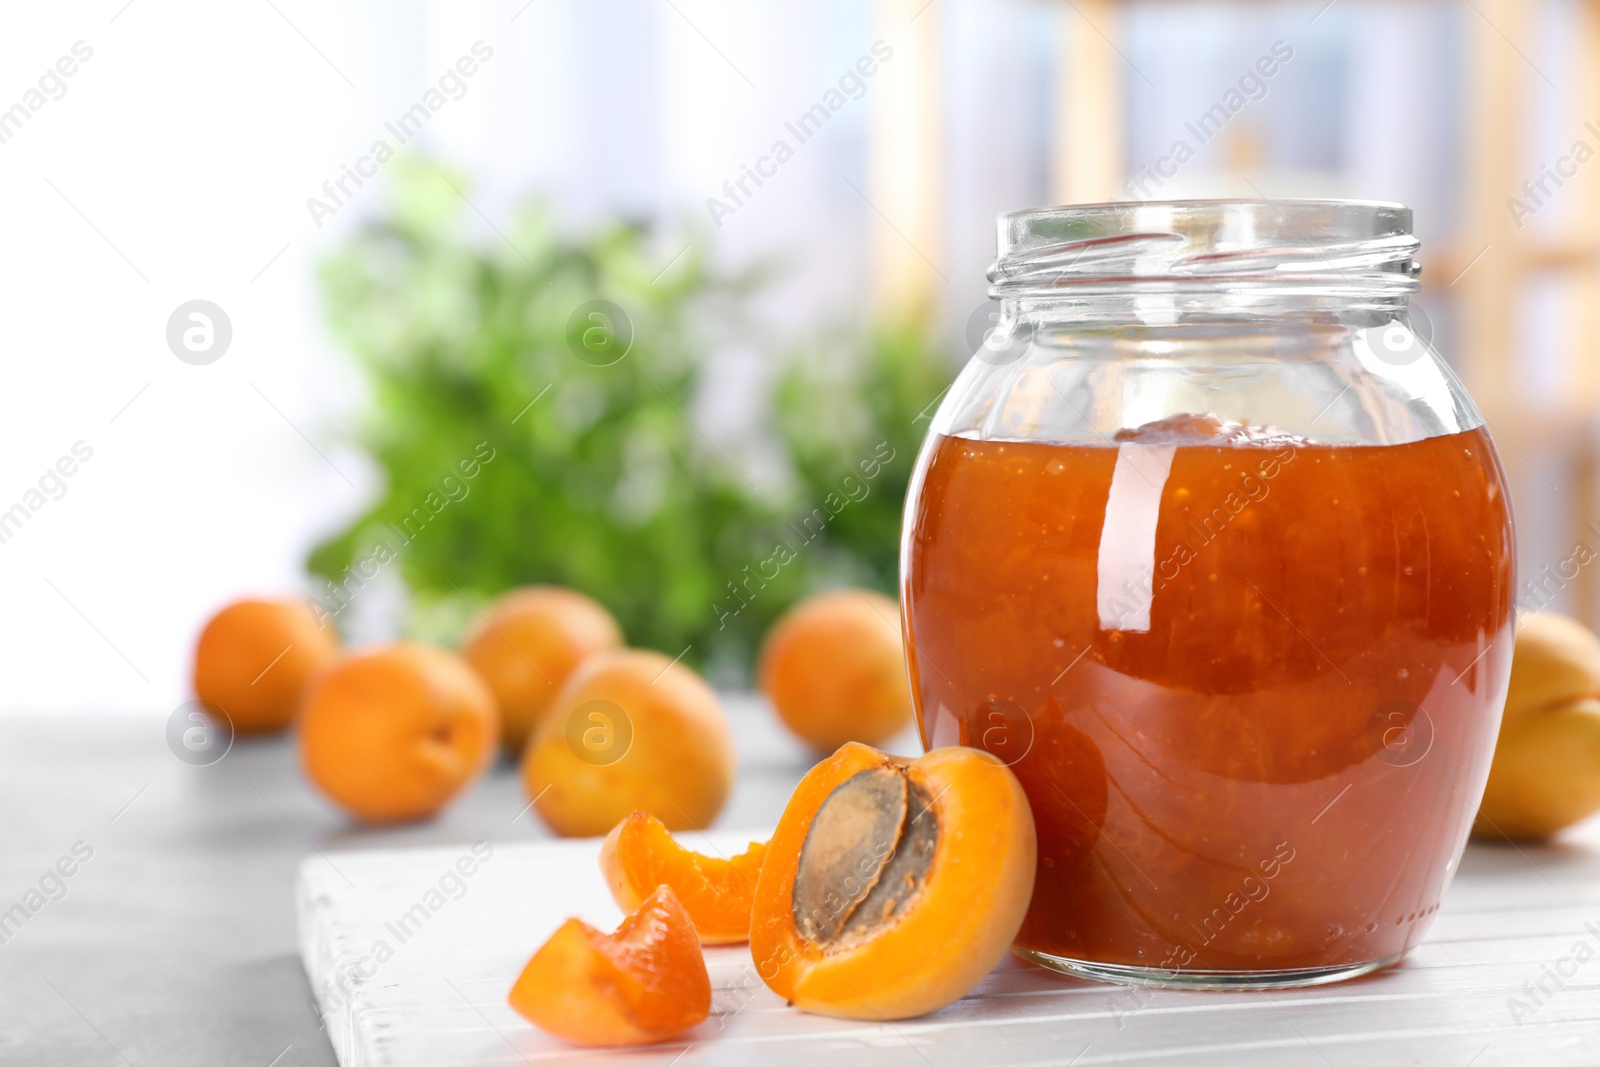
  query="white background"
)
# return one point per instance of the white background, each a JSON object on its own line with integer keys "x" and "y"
{"x": 178, "y": 164}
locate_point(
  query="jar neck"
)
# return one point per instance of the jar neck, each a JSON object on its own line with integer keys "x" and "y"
{"x": 1180, "y": 260}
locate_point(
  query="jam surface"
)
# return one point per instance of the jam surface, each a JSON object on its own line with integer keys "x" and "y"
{"x": 1251, "y": 683}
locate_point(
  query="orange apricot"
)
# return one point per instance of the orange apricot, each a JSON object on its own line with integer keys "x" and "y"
{"x": 630, "y": 731}
{"x": 528, "y": 643}
{"x": 639, "y": 854}
{"x": 1545, "y": 775}
{"x": 892, "y": 887}
{"x": 254, "y": 658}
{"x": 834, "y": 668}
{"x": 393, "y": 734}
{"x": 641, "y": 984}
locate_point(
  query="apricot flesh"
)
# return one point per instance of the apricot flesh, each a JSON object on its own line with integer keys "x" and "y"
{"x": 834, "y": 669}
{"x": 393, "y": 734}
{"x": 639, "y": 854}
{"x": 1545, "y": 775}
{"x": 642, "y": 984}
{"x": 892, "y": 887}
{"x": 630, "y": 731}
{"x": 527, "y": 644}
{"x": 254, "y": 659}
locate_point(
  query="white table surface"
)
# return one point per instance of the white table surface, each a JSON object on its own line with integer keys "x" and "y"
{"x": 441, "y": 1000}
{"x": 177, "y": 943}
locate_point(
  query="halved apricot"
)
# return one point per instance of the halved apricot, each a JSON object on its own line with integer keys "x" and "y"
{"x": 640, "y": 854}
{"x": 641, "y": 984}
{"x": 891, "y": 887}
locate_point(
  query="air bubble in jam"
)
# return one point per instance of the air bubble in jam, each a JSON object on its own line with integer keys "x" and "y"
{"x": 1205, "y": 780}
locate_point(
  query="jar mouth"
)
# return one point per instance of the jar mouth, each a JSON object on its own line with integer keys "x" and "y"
{"x": 1350, "y": 247}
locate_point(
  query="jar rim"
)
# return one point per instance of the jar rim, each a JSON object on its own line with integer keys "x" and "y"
{"x": 1361, "y": 246}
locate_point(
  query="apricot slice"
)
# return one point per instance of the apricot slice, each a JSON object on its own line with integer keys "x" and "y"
{"x": 1546, "y": 770}
{"x": 393, "y": 734}
{"x": 639, "y": 854}
{"x": 528, "y": 644}
{"x": 834, "y": 668}
{"x": 630, "y": 731}
{"x": 254, "y": 658}
{"x": 891, "y": 887}
{"x": 641, "y": 984}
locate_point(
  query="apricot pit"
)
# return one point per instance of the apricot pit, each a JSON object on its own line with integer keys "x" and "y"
{"x": 864, "y": 859}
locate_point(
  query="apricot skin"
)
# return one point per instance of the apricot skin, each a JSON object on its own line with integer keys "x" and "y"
{"x": 639, "y": 854}
{"x": 834, "y": 669}
{"x": 969, "y": 909}
{"x": 528, "y": 643}
{"x": 254, "y": 659}
{"x": 392, "y": 735}
{"x": 677, "y": 760}
{"x": 1546, "y": 770}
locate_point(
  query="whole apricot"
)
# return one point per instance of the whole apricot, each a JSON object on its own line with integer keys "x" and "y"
{"x": 527, "y": 644}
{"x": 393, "y": 734}
{"x": 630, "y": 731}
{"x": 892, "y": 887}
{"x": 1546, "y": 770}
{"x": 1556, "y": 660}
{"x": 834, "y": 668}
{"x": 254, "y": 658}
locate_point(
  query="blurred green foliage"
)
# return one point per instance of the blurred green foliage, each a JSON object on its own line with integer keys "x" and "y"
{"x": 852, "y": 398}
{"x": 604, "y": 483}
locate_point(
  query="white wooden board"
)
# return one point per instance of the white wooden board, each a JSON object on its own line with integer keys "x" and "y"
{"x": 1512, "y": 917}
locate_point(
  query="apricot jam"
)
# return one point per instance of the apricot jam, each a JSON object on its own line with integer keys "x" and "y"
{"x": 1250, "y": 682}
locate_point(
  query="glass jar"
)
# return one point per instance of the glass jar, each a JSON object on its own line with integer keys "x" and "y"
{"x": 1212, "y": 548}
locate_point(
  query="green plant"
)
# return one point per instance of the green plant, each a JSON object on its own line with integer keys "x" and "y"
{"x": 586, "y": 468}
{"x": 845, "y": 401}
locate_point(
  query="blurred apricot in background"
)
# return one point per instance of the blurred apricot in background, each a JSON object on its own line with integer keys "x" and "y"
{"x": 632, "y": 730}
{"x": 1546, "y": 770}
{"x": 393, "y": 734}
{"x": 835, "y": 669}
{"x": 528, "y": 644}
{"x": 254, "y": 658}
